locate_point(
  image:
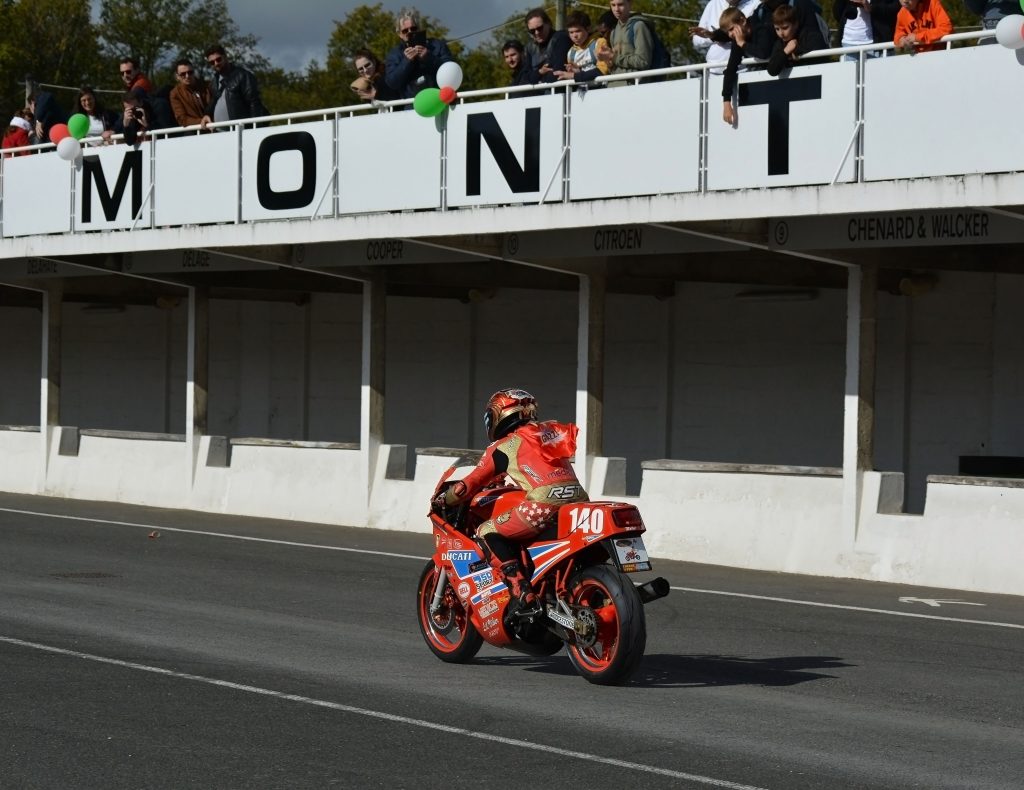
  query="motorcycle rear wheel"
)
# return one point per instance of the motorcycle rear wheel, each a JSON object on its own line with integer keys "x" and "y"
{"x": 448, "y": 632}
{"x": 621, "y": 635}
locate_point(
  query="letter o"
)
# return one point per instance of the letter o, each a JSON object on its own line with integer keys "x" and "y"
{"x": 302, "y": 142}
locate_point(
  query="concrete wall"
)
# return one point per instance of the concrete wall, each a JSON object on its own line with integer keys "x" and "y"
{"x": 20, "y": 360}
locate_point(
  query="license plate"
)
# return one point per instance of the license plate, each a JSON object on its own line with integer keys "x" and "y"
{"x": 631, "y": 555}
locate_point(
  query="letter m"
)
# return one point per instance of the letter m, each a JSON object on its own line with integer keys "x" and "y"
{"x": 92, "y": 171}
{"x": 520, "y": 179}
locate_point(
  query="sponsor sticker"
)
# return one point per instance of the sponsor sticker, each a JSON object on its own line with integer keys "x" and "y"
{"x": 488, "y": 608}
{"x": 484, "y": 579}
{"x": 491, "y": 622}
{"x": 463, "y": 590}
{"x": 459, "y": 556}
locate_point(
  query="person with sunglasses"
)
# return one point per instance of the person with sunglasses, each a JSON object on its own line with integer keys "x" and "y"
{"x": 133, "y": 78}
{"x": 190, "y": 96}
{"x": 370, "y": 85}
{"x": 547, "y": 49}
{"x": 235, "y": 94}
{"x": 412, "y": 65}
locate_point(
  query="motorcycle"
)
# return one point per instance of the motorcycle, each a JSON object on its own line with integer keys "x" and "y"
{"x": 578, "y": 569}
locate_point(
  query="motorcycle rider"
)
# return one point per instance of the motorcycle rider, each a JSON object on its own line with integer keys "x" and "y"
{"x": 536, "y": 456}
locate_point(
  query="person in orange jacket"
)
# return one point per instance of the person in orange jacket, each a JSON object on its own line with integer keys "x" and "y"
{"x": 920, "y": 24}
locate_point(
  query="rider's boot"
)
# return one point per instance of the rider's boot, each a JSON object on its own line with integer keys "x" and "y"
{"x": 520, "y": 589}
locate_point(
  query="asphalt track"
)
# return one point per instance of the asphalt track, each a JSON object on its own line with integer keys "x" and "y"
{"x": 144, "y": 648}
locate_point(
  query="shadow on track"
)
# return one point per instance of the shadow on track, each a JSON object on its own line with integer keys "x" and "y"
{"x": 700, "y": 671}
{"x": 669, "y": 671}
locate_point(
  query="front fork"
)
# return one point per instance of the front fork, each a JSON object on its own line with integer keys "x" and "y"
{"x": 435, "y": 603}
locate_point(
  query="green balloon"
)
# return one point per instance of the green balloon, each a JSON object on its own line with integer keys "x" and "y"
{"x": 428, "y": 103}
{"x": 78, "y": 125}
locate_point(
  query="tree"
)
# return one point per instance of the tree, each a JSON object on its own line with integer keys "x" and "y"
{"x": 31, "y": 42}
{"x": 156, "y": 32}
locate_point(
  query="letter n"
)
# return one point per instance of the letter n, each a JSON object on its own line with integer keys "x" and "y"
{"x": 131, "y": 166}
{"x": 520, "y": 179}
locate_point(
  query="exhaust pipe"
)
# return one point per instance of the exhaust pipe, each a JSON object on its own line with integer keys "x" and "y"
{"x": 653, "y": 590}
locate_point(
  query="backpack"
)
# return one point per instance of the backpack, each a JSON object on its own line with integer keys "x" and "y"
{"x": 660, "y": 56}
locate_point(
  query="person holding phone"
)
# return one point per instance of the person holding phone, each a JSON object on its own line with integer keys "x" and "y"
{"x": 412, "y": 65}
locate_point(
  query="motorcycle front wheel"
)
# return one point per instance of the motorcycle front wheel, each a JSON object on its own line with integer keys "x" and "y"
{"x": 448, "y": 632}
{"x": 613, "y": 647}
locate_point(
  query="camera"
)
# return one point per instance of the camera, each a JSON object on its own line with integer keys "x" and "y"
{"x": 417, "y": 39}
{"x": 138, "y": 114}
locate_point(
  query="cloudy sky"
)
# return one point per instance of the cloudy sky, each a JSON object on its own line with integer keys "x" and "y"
{"x": 293, "y": 33}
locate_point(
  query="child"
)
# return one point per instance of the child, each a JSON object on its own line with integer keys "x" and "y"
{"x": 793, "y": 39}
{"x": 17, "y": 134}
{"x": 734, "y": 24}
{"x": 588, "y": 56}
{"x": 920, "y": 24}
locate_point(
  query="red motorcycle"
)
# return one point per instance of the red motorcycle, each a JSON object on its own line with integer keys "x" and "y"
{"x": 579, "y": 573}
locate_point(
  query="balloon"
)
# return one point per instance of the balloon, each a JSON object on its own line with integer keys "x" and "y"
{"x": 1010, "y": 31}
{"x": 58, "y": 132}
{"x": 69, "y": 148}
{"x": 78, "y": 125}
{"x": 428, "y": 103}
{"x": 448, "y": 95}
{"x": 449, "y": 75}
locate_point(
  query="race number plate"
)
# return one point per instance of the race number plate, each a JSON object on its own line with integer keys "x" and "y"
{"x": 631, "y": 555}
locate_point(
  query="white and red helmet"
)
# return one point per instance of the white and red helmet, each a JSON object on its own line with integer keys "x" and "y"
{"x": 507, "y": 410}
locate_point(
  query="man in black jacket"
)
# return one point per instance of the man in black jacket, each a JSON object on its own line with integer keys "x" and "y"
{"x": 546, "y": 50}
{"x": 234, "y": 92}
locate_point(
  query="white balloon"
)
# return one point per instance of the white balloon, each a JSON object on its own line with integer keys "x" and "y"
{"x": 1010, "y": 31}
{"x": 449, "y": 75}
{"x": 69, "y": 148}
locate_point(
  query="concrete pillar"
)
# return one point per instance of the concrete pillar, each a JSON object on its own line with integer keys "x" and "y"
{"x": 50, "y": 374}
{"x": 371, "y": 417}
{"x": 859, "y": 407}
{"x": 590, "y": 374}
{"x": 197, "y": 380}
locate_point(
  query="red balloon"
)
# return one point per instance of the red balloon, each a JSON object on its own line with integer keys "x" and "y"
{"x": 58, "y": 132}
{"x": 448, "y": 95}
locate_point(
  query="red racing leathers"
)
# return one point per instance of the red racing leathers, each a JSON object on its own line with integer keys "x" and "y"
{"x": 536, "y": 456}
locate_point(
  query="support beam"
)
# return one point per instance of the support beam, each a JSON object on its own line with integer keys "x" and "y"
{"x": 590, "y": 374}
{"x": 371, "y": 411}
{"x": 859, "y": 401}
{"x": 197, "y": 382}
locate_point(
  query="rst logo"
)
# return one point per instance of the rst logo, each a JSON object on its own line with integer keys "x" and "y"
{"x": 458, "y": 556}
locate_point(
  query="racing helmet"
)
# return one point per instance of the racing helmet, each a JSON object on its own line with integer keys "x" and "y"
{"x": 507, "y": 410}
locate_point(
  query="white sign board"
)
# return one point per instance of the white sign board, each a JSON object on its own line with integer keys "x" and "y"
{"x": 635, "y": 140}
{"x": 505, "y": 151}
{"x": 389, "y": 161}
{"x": 287, "y": 171}
{"x": 944, "y": 113}
{"x": 196, "y": 179}
{"x": 113, "y": 187}
{"x": 37, "y": 194}
{"x": 791, "y": 129}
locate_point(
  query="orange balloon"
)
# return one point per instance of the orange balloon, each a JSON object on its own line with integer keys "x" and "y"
{"x": 58, "y": 132}
{"x": 448, "y": 94}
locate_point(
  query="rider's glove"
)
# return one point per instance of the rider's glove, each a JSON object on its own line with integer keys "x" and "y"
{"x": 438, "y": 503}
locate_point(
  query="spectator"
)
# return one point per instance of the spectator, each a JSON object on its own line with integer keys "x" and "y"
{"x": 235, "y": 94}
{"x": 138, "y": 118}
{"x": 412, "y": 65}
{"x": 632, "y": 40}
{"x": 716, "y": 48}
{"x": 740, "y": 30}
{"x": 17, "y": 135}
{"x": 29, "y": 116}
{"x": 190, "y": 97}
{"x": 102, "y": 122}
{"x": 920, "y": 24}
{"x": 546, "y": 48}
{"x": 605, "y": 25}
{"x": 47, "y": 112}
{"x": 370, "y": 85}
{"x": 132, "y": 78}
{"x": 584, "y": 62}
{"x": 514, "y": 55}
{"x": 794, "y": 40}
{"x": 864, "y": 22}
{"x": 991, "y": 11}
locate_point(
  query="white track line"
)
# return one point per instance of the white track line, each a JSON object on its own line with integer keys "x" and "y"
{"x": 375, "y": 714}
{"x": 793, "y": 601}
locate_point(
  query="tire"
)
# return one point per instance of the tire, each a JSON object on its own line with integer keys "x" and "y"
{"x": 449, "y": 633}
{"x": 621, "y": 633}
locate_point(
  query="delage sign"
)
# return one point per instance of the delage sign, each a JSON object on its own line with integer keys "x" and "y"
{"x": 612, "y": 142}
